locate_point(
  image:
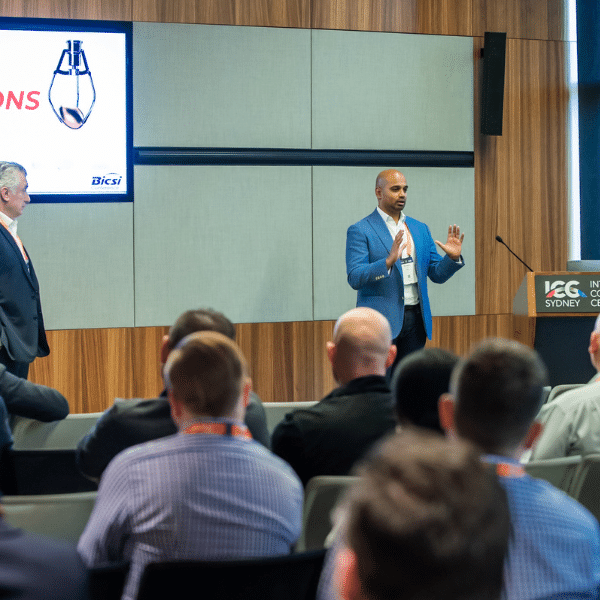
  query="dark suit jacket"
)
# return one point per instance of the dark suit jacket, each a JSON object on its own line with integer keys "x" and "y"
{"x": 130, "y": 422}
{"x": 37, "y": 568}
{"x": 22, "y": 330}
{"x": 329, "y": 437}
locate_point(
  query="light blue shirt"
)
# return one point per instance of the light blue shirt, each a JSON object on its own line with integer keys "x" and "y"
{"x": 554, "y": 550}
{"x": 192, "y": 496}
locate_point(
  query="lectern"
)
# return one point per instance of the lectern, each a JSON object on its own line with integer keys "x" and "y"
{"x": 560, "y": 308}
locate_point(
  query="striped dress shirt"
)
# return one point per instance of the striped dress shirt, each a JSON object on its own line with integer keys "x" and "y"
{"x": 554, "y": 549}
{"x": 192, "y": 496}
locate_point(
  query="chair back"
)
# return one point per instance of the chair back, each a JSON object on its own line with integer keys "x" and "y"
{"x": 59, "y": 516}
{"x": 29, "y": 434}
{"x": 321, "y": 495}
{"x": 560, "y": 472}
{"x": 108, "y": 582}
{"x": 276, "y": 411}
{"x": 290, "y": 577}
{"x": 586, "y": 487}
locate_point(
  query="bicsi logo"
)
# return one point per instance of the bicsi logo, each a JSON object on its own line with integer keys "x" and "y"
{"x": 111, "y": 180}
{"x": 18, "y": 100}
{"x": 560, "y": 289}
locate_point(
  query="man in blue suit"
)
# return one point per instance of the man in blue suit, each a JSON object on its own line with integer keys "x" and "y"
{"x": 390, "y": 256}
{"x": 22, "y": 333}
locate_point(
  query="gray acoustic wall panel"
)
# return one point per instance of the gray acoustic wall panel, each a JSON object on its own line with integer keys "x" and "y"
{"x": 437, "y": 196}
{"x": 221, "y": 86}
{"x": 83, "y": 257}
{"x": 237, "y": 239}
{"x": 390, "y": 91}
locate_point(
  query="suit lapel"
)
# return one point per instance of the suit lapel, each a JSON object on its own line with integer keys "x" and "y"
{"x": 383, "y": 233}
{"x": 15, "y": 248}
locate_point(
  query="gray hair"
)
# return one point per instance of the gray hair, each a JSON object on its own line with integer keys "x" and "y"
{"x": 9, "y": 174}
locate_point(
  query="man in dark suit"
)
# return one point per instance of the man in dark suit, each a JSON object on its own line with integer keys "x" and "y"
{"x": 389, "y": 257}
{"x": 22, "y": 334}
{"x": 130, "y": 422}
{"x": 328, "y": 438}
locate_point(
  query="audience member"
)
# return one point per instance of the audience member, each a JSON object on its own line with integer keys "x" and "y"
{"x": 21, "y": 398}
{"x": 417, "y": 384}
{"x": 572, "y": 421}
{"x": 554, "y": 549}
{"x": 328, "y": 438}
{"x": 34, "y": 567}
{"x": 427, "y": 519}
{"x": 130, "y": 422}
{"x": 209, "y": 492}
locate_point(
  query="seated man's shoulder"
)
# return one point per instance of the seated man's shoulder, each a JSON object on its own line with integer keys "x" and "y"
{"x": 536, "y": 502}
{"x": 140, "y": 419}
{"x": 572, "y": 400}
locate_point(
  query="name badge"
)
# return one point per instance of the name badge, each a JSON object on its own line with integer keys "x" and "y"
{"x": 408, "y": 270}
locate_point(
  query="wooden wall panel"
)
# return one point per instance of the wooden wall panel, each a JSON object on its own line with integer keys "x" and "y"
{"x": 445, "y": 17}
{"x": 521, "y": 177}
{"x": 460, "y": 333}
{"x": 260, "y": 13}
{"x": 365, "y": 15}
{"x": 92, "y": 367}
{"x": 287, "y": 361}
{"x": 524, "y": 19}
{"x": 109, "y": 10}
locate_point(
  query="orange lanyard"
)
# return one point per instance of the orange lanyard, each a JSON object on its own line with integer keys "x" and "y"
{"x": 409, "y": 240}
{"x": 17, "y": 240}
{"x": 508, "y": 470}
{"x": 220, "y": 429}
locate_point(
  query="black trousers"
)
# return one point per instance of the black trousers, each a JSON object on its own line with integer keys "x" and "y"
{"x": 412, "y": 337}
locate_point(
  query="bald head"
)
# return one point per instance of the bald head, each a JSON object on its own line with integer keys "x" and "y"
{"x": 594, "y": 348}
{"x": 361, "y": 346}
{"x": 386, "y": 176}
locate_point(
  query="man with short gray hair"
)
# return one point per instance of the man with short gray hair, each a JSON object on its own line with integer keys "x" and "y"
{"x": 22, "y": 333}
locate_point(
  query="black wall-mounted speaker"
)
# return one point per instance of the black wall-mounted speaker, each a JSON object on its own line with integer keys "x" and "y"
{"x": 492, "y": 96}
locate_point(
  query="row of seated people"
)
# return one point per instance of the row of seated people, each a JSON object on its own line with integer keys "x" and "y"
{"x": 155, "y": 503}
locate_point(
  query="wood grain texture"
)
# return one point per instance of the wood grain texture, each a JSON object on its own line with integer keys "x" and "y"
{"x": 287, "y": 361}
{"x": 108, "y": 10}
{"x": 365, "y": 15}
{"x": 521, "y": 177}
{"x": 445, "y": 17}
{"x": 259, "y": 13}
{"x": 524, "y": 19}
{"x": 460, "y": 333}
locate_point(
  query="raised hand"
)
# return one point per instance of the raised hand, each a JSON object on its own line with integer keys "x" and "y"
{"x": 453, "y": 245}
{"x": 395, "y": 252}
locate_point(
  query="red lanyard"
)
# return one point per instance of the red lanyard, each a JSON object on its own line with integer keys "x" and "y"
{"x": 220, "y": 429}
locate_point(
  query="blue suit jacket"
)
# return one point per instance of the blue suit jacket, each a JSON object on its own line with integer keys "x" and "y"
{"x": 368, "y": 244}
{"x": 22, "y": 330}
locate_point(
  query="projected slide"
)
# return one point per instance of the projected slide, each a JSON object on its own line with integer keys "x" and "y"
{"x": 63, "y": 110}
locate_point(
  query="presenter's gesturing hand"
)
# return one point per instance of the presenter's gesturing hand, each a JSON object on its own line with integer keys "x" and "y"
{"x": 453, "y": 245}
{"x": 395, "y": 252}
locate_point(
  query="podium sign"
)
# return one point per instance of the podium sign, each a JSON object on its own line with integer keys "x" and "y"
{"x": 567, "y": 293}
